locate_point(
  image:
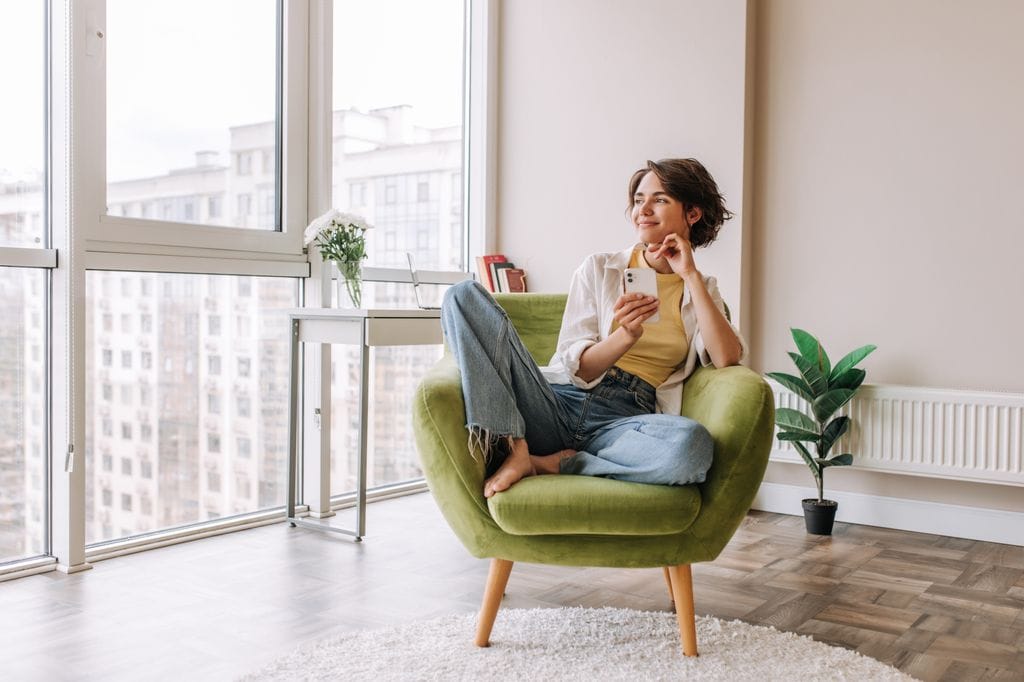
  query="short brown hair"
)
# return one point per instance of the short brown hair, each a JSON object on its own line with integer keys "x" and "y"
{"x": 688, "y": 182}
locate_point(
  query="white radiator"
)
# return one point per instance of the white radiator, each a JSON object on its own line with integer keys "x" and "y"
{"x": 931, "y": 432}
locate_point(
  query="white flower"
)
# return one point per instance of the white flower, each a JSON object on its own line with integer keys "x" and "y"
{"x": 315, "y": 227}
{"x": 352, "y": 220}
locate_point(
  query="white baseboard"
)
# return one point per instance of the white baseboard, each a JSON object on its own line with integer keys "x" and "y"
{"x": 974, "y": 523}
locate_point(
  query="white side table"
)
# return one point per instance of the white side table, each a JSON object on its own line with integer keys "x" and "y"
{"x": 367, "y": 329}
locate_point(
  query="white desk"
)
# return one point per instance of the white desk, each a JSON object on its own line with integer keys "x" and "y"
{"x": 366, "y": 329}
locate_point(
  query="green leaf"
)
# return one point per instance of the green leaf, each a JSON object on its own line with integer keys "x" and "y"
{"x": 837, "y": 461}
{"x": 826, "y": 405}
{"x": 798, "y": 435}
{"x": 795, "y": 420}
{"x": 850, "y": 360}
{"x": 810, "y": 461}
{"x": 851, "y": 379}
{"x": 833, "y": 432}
{"x": 795, "y": 384}
{"x": 811, "y": 350}
{"x": 809, "y": 371}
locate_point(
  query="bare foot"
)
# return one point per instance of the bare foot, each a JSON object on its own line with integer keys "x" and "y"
{"x": 550, "y": 464}
{"x": 516, "y": 467}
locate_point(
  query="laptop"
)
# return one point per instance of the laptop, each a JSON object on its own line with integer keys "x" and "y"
{"x": 416, "y": 286}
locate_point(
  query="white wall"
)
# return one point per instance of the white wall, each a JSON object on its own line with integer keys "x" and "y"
{"x": 591, "y": 89}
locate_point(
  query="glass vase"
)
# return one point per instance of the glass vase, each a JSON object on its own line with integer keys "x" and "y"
{"x": 348, "y": 284}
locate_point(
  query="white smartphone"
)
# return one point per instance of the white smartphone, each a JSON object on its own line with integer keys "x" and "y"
{"x": 643, "y": 281}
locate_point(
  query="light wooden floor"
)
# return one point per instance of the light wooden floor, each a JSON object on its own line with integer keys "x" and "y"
{"x": 938, "y": 608}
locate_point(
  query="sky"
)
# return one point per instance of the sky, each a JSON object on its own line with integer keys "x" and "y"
{"x": 180, "y": 73}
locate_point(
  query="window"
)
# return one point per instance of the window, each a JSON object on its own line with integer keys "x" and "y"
{"x": 126, "y": 394}
{"x": 146, "y": 360}
{"x": 243, "y": 367}
{"x": 126, "y": 466}
{"x": 108, "y": 357}
{"x": 398, "y": 96}
{"x": 108, "y": 392}
{"x": 213, "y": 481}
{"x": 22, "y": 151}
{"x": 244, "y": 446}
{"x": 244, "y": 406}
{"x": 108, "y": 462}
{"x": 163, "y": 148}
{"x": 126, "y": 502}
{"x": 126, "y": 359}
{"x": 146, "y": 324}
{"x": 244, "y": 163}
{"x": 167, "y": 419}
{"x": 213, "y": 324}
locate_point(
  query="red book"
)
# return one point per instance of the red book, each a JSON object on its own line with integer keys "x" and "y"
{"x": 513, "y": 280}
{"x": 483, "y": 268}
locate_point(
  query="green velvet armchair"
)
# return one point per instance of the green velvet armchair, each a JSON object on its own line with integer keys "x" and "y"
{"x": 585, "y": 521}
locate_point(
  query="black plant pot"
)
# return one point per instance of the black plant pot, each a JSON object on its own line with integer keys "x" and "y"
{"x": 819, "y": 516}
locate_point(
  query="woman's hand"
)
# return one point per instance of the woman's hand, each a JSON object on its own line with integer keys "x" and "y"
{"x": 631, "y": 310}
{"x": 678, "y": 251}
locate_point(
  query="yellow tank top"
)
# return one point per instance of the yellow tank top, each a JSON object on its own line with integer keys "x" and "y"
{"x": 663, "y": 346}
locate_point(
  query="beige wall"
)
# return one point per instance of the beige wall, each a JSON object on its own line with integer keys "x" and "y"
{"x": 889, "y": 161}
{"x": 888, "y": 182}
{"x": 589, "y": 90}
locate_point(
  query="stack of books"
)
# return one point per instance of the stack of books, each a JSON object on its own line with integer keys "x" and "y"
{"x": 498, "y": 274}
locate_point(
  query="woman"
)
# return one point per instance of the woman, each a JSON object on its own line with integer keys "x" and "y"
{"x": 593, "y": 410}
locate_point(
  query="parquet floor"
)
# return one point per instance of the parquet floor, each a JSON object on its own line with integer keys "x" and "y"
{"x": 937, "y": 608}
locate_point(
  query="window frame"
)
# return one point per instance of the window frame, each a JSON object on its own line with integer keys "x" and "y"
{"x": 105, "y": 233}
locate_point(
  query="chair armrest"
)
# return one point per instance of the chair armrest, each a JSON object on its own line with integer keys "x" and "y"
{"x": 454, "y": 475}
{"x": 737, "y": 406}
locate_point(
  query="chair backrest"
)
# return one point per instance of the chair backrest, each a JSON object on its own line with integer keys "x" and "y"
{"x": 538, "y": 319}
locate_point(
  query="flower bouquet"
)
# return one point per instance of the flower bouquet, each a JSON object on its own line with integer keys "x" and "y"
{"x": 341, "y": 238}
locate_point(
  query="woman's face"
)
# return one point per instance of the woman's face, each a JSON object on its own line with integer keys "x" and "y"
{"x": 656, "y": 215}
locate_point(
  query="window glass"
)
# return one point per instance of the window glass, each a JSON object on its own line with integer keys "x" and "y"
{"x": 398, "y": 128}
{"x": 394, "y": 374}
{"x": 22, "y": 403}
{"x": 22, "y": 151}
{"x": 176, "y": 443}
{"x": 169, "y": 159}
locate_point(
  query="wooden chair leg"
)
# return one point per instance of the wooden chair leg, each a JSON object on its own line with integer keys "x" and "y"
{"x": 668, "y": 581}
{"x": 497, "y": 578}
{"x": 682, "y": 588}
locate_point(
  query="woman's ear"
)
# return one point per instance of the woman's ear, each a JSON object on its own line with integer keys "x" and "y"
{"x": 693, "y": 215}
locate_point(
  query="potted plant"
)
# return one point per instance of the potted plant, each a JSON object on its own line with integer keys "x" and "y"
{"x": 825, "y": 389}
{"x": 341, "y": 238}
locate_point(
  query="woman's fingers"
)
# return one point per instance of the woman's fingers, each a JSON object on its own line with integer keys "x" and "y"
{"x": 632, "y": 309}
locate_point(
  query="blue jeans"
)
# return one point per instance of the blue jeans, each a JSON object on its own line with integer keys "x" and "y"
{"x": 611, "y": 426}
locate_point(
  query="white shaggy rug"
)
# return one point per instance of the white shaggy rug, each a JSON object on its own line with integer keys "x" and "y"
{"x": 574, "y": 644}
